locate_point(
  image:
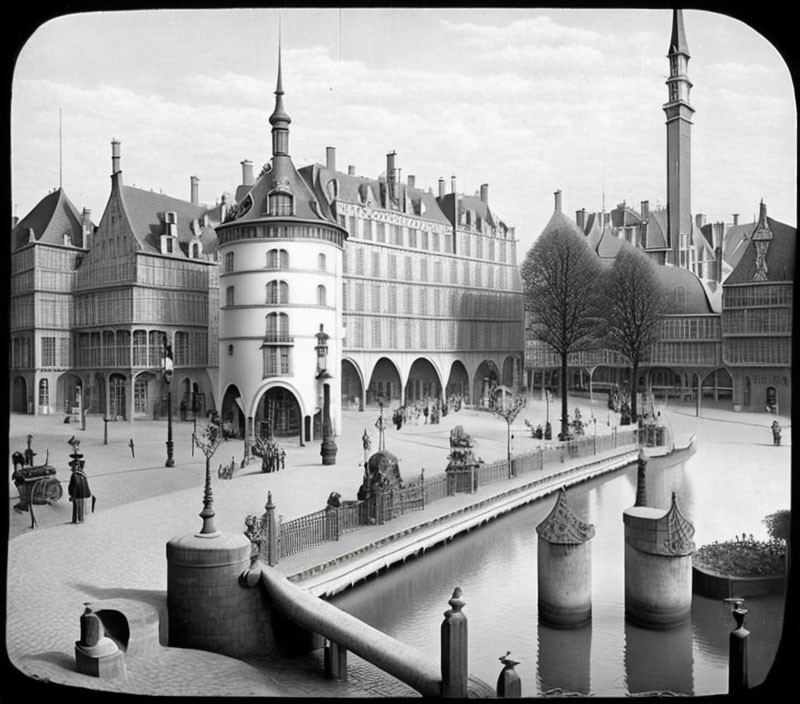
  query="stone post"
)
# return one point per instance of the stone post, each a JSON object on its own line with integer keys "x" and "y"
{"x": 454, "y": 649}
{"x": 271, "y": 527}
{"x": 564, "y": 567}
{"x": 641, "y": 486}
{"x": 737, "y": 665}
{"x": 509, "y": 684}
{"x": 95, "y": 653}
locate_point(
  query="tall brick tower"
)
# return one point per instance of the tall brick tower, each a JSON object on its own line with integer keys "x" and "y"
{"x": 679, "y": 145}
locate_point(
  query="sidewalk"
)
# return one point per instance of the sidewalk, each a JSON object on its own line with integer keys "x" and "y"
{"x": 120, "y": 550}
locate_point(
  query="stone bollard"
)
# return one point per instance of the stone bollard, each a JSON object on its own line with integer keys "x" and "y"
{"x": 271, "y": 527}
{"x": 455, "y": 673}
{"x": 95, "y": 653}
{"x": 737, "y": 665}
{"x": 564, "y": 567}
{"x": 509, "y": 684}
{"x": 658, "y": 566}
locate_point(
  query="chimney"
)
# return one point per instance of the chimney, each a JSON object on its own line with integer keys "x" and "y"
{"x": 223, "y": 208}
{"x": 411, "y": 180}
{"x": 453, "y": 184}
{"x": 115, "y": 157}
{"x": 580, "y": 218}
{"x": 390, "y": 175}
{"x": 700, "y": 220}
{"x": 330, "y": 158}
{"x": 86, "y": 227}
{"x": 717, "y": 231}
{"x": 485, "y": 193}
{"x": 195, "y": 183}
{"x": 351, "y": 170}
{"x": 247, "y": 173}
{"x": 645, "y": 210}
{"x": 735, "y": 219}
{"x": 718, "y": 264}
{"x": 557, "y": 194}
{"x": 441, "y": 188}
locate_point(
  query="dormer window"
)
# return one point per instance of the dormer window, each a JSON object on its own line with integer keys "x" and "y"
{"x": 67, "y": 239}
{"x": 281, "y": 204}
{"x": 195, "y": 249}
{"x": 171, "y": 224}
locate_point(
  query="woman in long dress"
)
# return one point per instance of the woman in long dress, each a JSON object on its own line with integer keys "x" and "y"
{"x": 79, "y": 492}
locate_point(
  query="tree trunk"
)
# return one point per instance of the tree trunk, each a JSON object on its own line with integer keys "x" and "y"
{"x": 634, "y": 390}
{"x": 564, "y": 403}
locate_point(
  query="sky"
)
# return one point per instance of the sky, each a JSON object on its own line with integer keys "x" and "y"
{"x": 528, "y": 101}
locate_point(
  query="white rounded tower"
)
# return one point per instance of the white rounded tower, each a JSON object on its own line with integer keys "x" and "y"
{"x": 280, "y": 322}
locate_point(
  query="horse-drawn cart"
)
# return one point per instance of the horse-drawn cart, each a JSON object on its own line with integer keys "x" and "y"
{"x": 37, "y": 485}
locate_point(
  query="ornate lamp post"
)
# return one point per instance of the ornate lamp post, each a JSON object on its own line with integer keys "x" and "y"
{"x": 208, "y": 441}
{"x": 168, "y": 368}
{"x": 328, "y": 449}
{"x": 509, "y": 413}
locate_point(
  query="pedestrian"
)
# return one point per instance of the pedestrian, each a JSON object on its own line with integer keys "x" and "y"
{"x": 283, "y": 459}
{"x": 79, "y": 492}
{"x": 776, "y": 432}
{"x": 425, "y": 412}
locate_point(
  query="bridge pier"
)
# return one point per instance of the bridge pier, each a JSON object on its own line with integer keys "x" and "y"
{"x": 335, "y": 661}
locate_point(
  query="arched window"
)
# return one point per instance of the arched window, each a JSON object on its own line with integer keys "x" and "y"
{"x": 322, "y": 296}
{"x": 229, "y": 296}
{"x": 277, "y": 328}
{"x": 281, "y": 204}
{"x": 194, "y": 249}
{"x": 180, "y": 350}
{"x": 277, "y": 259}
{"x": 229, "y": 262}
{"x": 322, "y": 263}
{"x": 44, "y": 392}
{"x": 277, "y": 292}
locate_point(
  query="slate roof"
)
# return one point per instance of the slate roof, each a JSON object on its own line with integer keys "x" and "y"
{"x": 657, "y": 229}
{"x": 780, "y": 256}
{"x": 698, "y": 298}
{"x": 52, "y": 216}
{"x": 734, "y": 242}
{"x": 146, "y": 214}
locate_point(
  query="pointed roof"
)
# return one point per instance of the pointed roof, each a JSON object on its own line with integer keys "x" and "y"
{"x": 779, "y": 257}
{"x": 279, "y": 115}
{"x": 50, "y": 219}
{"x": 562, "y": 526}
{"x": 677, "y": 43}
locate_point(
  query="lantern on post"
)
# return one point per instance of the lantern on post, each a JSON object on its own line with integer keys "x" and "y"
{"x": 168, "y": 369}
{"x": 328, "y": 449}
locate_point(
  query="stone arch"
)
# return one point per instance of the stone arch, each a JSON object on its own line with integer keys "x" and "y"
{"x": 66, "y": 392}
{"x": 718, "y": 383}
{"x": 352, "y": 392}
{"x": 117, "y": 396}
{"x": 458, "y": 381}
{"x": 278, "y": 409}
{"x": 507, "y": 377}
{"x": 149, "y": 395}
{"x": 232, "y": 411}
{"x": 424, "y": 381}
{"x": 385, "y": 383}
{"x": 19, "y": 395}
{"x": 486, "y": 377}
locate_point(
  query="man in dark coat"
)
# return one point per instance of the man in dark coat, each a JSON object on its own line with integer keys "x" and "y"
{"x": 79, "y": 493}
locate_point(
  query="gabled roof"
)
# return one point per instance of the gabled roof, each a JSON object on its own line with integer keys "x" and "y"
{"x": 735, "y": 241}
{"x": 779, "y": 258}
{"x": 50, "y": 219}
{"x": 656, "y": 230}
{"x": 146, "y": 214}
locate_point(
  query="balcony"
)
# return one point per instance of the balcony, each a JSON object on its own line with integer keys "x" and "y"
{"x": 277, "y": 338}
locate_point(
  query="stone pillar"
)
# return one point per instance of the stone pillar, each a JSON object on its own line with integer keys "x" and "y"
{"x": 335, "y": 661}
{"x": 641, "y": 479}
{"x": 95, "y": 653}
{"x": 207, "y": 608}
{"x": 271, "y": 527}
{"x": 658, "y": 566}
{"x": 737, "y": 665}
{"x": 455, "y": 673}
{"x": 564, "y": 567}
{"x": 509, "y": 685}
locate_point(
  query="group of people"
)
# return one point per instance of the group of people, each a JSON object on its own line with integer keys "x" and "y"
{"x": 273, "y": 456}
{"x": 431, "y": 413}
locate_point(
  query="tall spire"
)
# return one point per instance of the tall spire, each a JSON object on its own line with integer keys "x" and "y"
{"x": 677, "y": 43}
{"x": 279, "y": 119}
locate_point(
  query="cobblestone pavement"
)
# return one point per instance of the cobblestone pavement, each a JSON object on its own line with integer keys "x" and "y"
{"x": 120, "y": 550}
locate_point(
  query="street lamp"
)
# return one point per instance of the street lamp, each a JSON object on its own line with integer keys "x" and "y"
{"x": 328, "y": 448}
{"x": 509, "y": 413}
{"x": 168, "y": 368}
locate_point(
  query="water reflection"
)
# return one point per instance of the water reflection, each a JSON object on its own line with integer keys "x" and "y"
{"x": 659, "y": 661}
{"x": 570, "y": 674}
{"x": 496, "y": 566}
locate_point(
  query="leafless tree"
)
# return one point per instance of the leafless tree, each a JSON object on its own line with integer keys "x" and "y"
{"x": 560, "y": 276}
{"x": 633, "y": 303}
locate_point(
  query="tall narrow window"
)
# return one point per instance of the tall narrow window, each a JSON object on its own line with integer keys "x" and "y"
{"x": 277, "y": 292}
{"x": 322, "y": 296}
{"x": 277, "y": 328}
{"x": 44, "y": 392}
{"x": 322, "y": 263}
{"x": 280, "y": 204}
{"x": 229, "y": 296}
{"x": 229, "y": 262}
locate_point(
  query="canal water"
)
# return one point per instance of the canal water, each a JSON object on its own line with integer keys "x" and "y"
{"x": 725, "y": 489}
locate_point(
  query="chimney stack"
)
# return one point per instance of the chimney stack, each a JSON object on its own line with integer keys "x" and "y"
{"x": 453, "y": 184}
{"x": 195, "y": 182}
{"x": 580, "y": 218}
{"x": 411, "y": 180}
{"x": 557, "y": 194}
{"x": 115, "y": 157}
{"x": 441, "y": 188}
{"x": 645, "y": 210}
{"x": 330, "y": 158}
{"x": 700, "y": 220}
{"x": 735, "y": 219}
{"x": 247, "y": 173}
{"x": 390, "y": 174}
{"x": 351, "y": 170}
{"x": 485, "y": 193}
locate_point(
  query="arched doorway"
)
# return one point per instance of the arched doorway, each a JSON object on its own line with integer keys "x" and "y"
{"x": 69, "y": 391}
{"x": 423, "y": 382}
{"x": 486, "y": 378}
{"x": 718, "y": 385}
{"x": 233, "y": 411}
{"x": 458, "y": 382}
{"x": 384, "y": 384}
{"x": 508, "y": 372}
{"x": 19, "y": 396}
{"x": 117, "y": 408}
{"x": 278, "y": 413}
{"x": 352, "y": 387}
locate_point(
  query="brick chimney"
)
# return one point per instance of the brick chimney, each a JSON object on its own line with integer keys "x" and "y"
{"x": 116, "y": 158}
{"x": 735, "y": 219}
{"x": 330, "y": 158}
{"x": 247, "y": 173}
{"x": 453, "y": 184}
{"x": 700, "y": 220}
{"x": 391, "y": 174}
{"x": 485, "y": 193}
{"x": 351, "y": 170}
{"x": 645, "y": 207}
{"x": 557, "y": 195}
{"x": 195, "y": 185}
{"x": 411, "y": 180}
{"x": 441, "y": 188}
{"x": 580, "y": 218}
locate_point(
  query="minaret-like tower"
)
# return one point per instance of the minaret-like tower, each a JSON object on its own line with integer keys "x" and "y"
{"x": 679, "y": 145}
{"x": 280, "y": 119}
